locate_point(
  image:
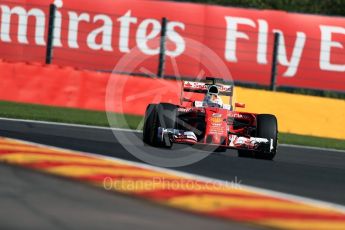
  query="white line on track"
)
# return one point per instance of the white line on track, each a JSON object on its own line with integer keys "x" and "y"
{"x": 312, "y": 147}
{"x": 69, "y": 124}
{"x": 139, "y": 131}
{"x": 267, "y": 192}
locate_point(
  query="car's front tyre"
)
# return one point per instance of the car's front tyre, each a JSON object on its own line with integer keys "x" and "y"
{"x": 267, "y": 127}
{"x": 158, "y": 115}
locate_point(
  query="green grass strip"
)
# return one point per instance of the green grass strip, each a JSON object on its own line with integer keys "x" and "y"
{"x": 97, "y": 118}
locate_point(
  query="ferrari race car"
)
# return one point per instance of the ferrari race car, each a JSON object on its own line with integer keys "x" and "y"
{"x": 203, "y": 119}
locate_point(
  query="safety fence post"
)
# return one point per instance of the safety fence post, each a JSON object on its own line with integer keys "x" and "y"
{"x": 49, "y": 51}
{"x": 161, "y": 61}
{"x": 274, "y": 62}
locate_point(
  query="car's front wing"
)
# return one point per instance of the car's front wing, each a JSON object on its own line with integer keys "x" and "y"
{"x": 234, "y": 141}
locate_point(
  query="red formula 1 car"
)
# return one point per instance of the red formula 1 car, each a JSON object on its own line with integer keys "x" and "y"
{"x": 209, "y": 121}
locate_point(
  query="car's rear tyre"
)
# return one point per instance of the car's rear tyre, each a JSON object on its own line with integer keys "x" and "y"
{"x": 267, "y": 127}
{"x": 161, "y": 115}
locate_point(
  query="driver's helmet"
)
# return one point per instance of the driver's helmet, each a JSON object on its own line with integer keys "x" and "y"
{"x": 212, "y": 97}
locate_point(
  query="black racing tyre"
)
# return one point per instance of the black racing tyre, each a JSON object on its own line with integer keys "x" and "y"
{"x": 161, "y": 115}
{"x": 267, "y": 127}
{"x": 149, "y": 120}
{"x": 167, "y": 115}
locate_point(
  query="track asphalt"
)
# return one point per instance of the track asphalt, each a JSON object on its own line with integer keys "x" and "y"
{"x": 312, "y": 173}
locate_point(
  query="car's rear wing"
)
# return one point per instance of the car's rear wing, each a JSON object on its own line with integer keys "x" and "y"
{"x": 202, "y": 87}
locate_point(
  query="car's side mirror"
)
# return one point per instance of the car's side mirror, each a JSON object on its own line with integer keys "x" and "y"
{"x": 240, "y": 105}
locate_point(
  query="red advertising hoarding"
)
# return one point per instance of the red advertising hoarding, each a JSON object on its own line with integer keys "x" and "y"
{"x": 99, "y": 34}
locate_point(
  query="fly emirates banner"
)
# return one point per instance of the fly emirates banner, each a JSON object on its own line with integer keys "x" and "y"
{"x": 97, "y": 35}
